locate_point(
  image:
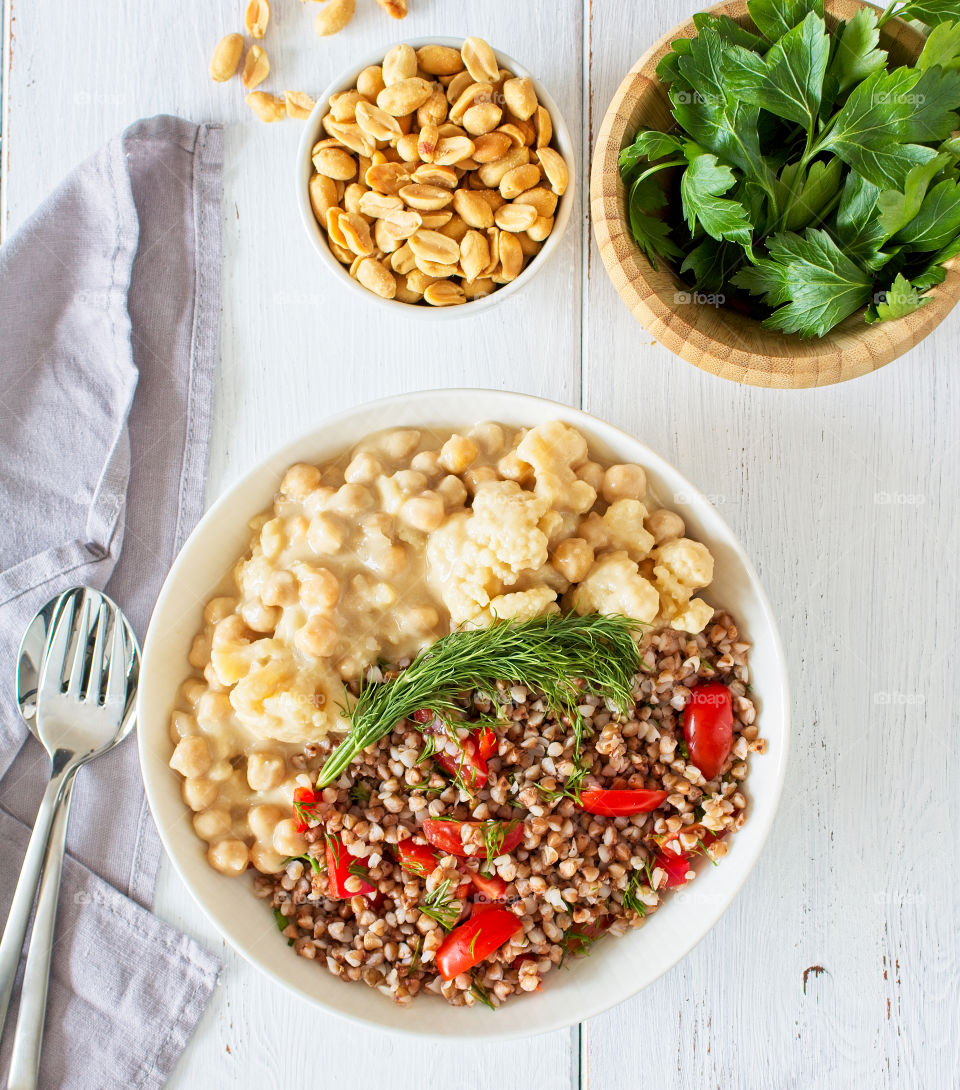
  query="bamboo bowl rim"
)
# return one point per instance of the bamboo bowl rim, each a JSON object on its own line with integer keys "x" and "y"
{"x": 714, "y": 338}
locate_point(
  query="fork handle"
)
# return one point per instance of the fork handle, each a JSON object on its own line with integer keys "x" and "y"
{"x": 18, "y": 919}
{"x": 28, "y": 1035}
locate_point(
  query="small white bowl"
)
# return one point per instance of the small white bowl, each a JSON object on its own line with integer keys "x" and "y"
{"x": 313, "y": 131}
{"x": 616, "y": 968}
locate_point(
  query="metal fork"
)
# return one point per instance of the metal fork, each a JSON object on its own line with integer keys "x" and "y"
{"x": 85, "y": 706}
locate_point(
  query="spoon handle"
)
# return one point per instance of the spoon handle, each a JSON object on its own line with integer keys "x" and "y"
{"x": 15, "y": 929}
{"x": 28, "y": 1035}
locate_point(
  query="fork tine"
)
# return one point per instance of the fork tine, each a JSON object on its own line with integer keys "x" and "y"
{"x": 51, "y": 678}
{"x": 82, "y": 630}
{"x": 96, "y": 658}
{"x": 117, "y": 670}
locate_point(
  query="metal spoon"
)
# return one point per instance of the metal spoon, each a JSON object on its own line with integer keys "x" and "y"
{"x": 77, "y": 677}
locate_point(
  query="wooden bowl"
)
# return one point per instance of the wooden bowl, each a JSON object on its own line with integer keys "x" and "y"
{"x": 717, "y": 338}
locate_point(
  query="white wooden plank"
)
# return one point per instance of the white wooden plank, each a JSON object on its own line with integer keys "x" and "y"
{"x": 846, "y": 498}
{"x": 296, "y": 347}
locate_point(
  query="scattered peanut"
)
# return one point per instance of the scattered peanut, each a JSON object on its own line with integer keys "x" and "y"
{"x": 395, "y": 8}
{"x": 257, "y": 18}
{"x": 299, "y": 104}
{"x": 266, "y": 106}
{"x": 334, "y": 17}
{"x": 256, "y": 67}
{"x": 435, "y": 179}
{"x": 226, "y": 57}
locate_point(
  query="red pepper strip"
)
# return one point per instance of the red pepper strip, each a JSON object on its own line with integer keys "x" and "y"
{"x": 444, "y": 834}
{"x": 487, "y": 742}
{"x": 492, "y": 888}
{"x": 304, "y": 799}
{"x": 341, "y": 865}
{"x": 676, "y": 867}
{"x": 475, "y": 940}
{"x": 620, "y": 803}
{"x": 468, "y": 766}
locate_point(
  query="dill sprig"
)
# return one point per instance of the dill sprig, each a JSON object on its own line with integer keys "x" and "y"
{"x": 549, "y": 653}
{"x": 481, "y": 994}
{"x": 441, "y": 906}
{"x": 631, "y": 900}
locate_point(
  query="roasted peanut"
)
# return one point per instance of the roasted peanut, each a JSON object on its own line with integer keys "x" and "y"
{"x": 543, "y": 199}
{"x": 491, "y": 146}
{"x": 376, "y": 278}
{"x": 343, "y": 106}
{"x": 376, "y": 123}
{"x": 432, "y": 246}
{"x": 334, "y": 162}
{"x": 474, "y": 254}
{"x": 516, "y": 181}
{"x": 370, "y": 81}
{"x": 544, "y": 126}
{"x": 299, "y": 105}
{"x": 457, "y": 85}
{"x": 387, "y": 177}
{"x": 439, "y": 60}
{"x": 427, "y": 142}
{"x": 377, "y": 205}
{"x": 482, "y": 118}
{"x": 542, "y": 226}
{"x": 472, "y": 95}
{"x": 431, "y": 174}
{"x": 480, "y": 61}
{"x": 555, "y": 169}
{"x": 515, "y": 217}
{"x": 226, "y": 57}
{"x": 491, "y": 173}
{"x": 356, "y": 232}
{"x": 444, "y": 293}
{"x": 257, "y": 18}
{"x": 256, "y": 67}
{"x": 266, "y": 106}
{"x": 473, "y": 209}
{"x": 511, "y": 256}
{"x": 351, "y": 136}
{"x": 520, "y": 97}
{"x": 396, "y": 9}
{"x": 323, "y": 196}
{"x": 427, "y": 198}
{"x": 400, "y": 63}
{"x": 404, "y": 96}
{"x": 334, "y": 17}
{"x": 402, "y": 260}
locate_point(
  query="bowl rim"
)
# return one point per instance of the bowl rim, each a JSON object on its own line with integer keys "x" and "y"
{"x": 304, "y": 170}
{"x": 156, "y": 772}
{"x": 781, "y": 361}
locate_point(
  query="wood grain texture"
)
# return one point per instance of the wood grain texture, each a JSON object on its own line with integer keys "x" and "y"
{"x": 846, "y": 497}
{"x": 717, "y": 338}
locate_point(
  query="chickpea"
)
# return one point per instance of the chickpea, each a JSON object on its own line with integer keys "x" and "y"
{"x": 351, "y": 499}
{"x": 229, "y": 856}
{"x": 327, "y": 533}
{"x": 199, "y": 793}
{"x": 214, "y": 684}
{"x": 300, "y": 480}
{"x": 286, "y": 840}
{"x": 399, "y": 444}
{"x": 420, "y": 619}
{"x": 410, "y": 481}
{"x": 512, "y": 467}
{"x": 624, "y": 482}
{"x": 281, "y": 589}
{"x": 593, "y": 473}
{"x": 271, "y": 538}
{"x": 265, "y": 771}
{"x": 218, "y": 608}
{"x": 664, "y": 525}
{"x": 573, "y": 558}
{"x": 230, "y": 630}
{"x": 452, "y": 490}
{"x": 220, "y": 771}
{"x": 318, "y": 500}
{"x": 427, "y": 462}
{"x": 364, "y": 469}
{"x": 191, "y": 757}
{"x": 489, "y": 437}
{"x": 199, "y": 651}
{"x": 318, "y": 637}
{"x": 263, "y": 820}
{"x": 260, "y": 617}
{"x": 212, "y": 824}
{"x": 458, "y": 453}
{"x": 473, "y": 478}
{"x": 212, "y": 710}
{"x": 424, "y": 512}
{"x": 181, "y": 724}
{"x": 191, "y": 690}
{"x": 266, "y": 860}
{"x": 320, "y": 590}
{"x": 297, "y": 529}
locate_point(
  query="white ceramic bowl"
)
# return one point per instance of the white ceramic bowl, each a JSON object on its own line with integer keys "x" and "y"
{"x": 616, "y": 969}
{"x": 313, "y": 131}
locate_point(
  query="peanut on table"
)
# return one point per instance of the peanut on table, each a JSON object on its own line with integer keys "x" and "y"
{"x": 436, "y": 181}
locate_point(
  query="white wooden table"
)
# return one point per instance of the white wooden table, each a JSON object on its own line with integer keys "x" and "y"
{"x": 838, "y": 964}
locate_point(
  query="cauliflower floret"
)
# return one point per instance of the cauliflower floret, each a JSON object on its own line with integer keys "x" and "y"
{"x": 680, "y": 567}
{"x": 620, "y": 528}
{"x": 473, "y": 556}
{"x": 521, "y": 605}
{"x": 282, "y": 699}
{"x": 615, "y": 585}
{"x": 554, "y": 450}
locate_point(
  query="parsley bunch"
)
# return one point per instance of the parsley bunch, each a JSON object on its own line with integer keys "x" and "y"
{"x": 814, "y": 175}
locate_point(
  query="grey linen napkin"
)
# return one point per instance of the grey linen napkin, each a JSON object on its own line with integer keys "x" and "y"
{"x": 109, "y": 311}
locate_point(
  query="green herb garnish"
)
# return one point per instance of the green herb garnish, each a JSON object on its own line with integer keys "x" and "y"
{"x": 315, "y": 863}
{"x": 806, "y": 169}
{"x": 548, "y": 653}
{"x": 442, "y": 906}
{"x": 481, "y": 994}
{"x": 282, "y": 923}
{"x": 631, "y": 900}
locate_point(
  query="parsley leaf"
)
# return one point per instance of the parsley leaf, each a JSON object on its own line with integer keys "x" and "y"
{"x": 806, "y": 203}
{"x": 818, "y": 283}
{"x": 900, "y": 299}
{"x": 773, "y": 18}
{"x": 651, "y": 144}
{"x": 701, "y": 187}
{"x": 857, "y": 228}
{"x": 788, "y": 81}
{"x": 898, "y": 209}
{"x": 652, "y": 235}
{"x": 856, "y": 55}
{"x": 942, "y": 48}
{"x": 931, "y": 12}
{"x": 938, "y": 220}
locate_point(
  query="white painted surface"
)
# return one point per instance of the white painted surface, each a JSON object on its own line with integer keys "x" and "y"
{"x": 847, "y": 499}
